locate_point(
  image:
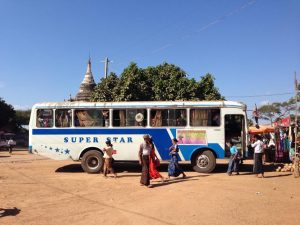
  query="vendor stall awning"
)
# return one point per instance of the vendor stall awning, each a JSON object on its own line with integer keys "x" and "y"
{"x": 261, "y": 130}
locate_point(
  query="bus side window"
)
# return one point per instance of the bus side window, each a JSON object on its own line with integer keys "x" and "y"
{"x": 168, "y": 117}
{"x": 205, "y": 117}
{"x": 119, "y": 117}
{"x": 63, "y": 117}
{"x": 44, "y": 118}
{"x": 88, "y": 118}
{"x": 130, "y": 118}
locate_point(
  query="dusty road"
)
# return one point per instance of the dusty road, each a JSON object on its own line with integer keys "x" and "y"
{"x": 35, "y": 190}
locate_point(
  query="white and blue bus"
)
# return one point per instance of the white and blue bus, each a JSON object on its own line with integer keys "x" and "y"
{"x": 78, "y": 130}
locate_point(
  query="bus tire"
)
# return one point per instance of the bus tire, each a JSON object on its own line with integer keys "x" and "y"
{"x": 204, "y": 162}
{"x": 92, "y": 161}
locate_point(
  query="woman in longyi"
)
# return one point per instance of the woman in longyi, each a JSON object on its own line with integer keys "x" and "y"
{"x": 154, "y": 162}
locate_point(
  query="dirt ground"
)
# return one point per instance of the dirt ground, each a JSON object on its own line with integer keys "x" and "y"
{"x": 36, "y": 190}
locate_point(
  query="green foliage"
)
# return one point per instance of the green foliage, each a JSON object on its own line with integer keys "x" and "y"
{"x": 134, "y": 85}
{"x": 159, "y": 83}
{"x": 278, "y": 110}
{"x": 22, "y": 117}
{"x": 207, "y": 88}
{"x": 8, "y": 116}
{"x": 105, "y": 90}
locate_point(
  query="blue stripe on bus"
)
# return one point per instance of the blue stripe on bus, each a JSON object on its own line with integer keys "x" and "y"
{"x": 161, "y": 137}
{"x": 188, "y": 150}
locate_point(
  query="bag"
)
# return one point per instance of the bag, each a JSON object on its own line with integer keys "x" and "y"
{"x": 237, "y": 156}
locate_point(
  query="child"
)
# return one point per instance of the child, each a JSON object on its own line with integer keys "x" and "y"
{"x": 108, "y": 152}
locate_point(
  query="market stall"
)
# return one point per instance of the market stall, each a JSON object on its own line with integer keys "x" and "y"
{"x": 267, "y": 133}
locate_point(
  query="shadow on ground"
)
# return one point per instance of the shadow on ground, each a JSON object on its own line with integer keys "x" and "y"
{"x": 9, "y": 212}
{"x": 123, "y": 167}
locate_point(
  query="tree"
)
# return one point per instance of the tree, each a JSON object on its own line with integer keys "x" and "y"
{"x": 22, "y": 117}
{"x": 160, "y": 83}
{"x": 207, "y": 89}
{"x": 278, "y": 110}
{"x": 8, "y": 116}
{"x": 134, "y": 85}
{"x": 169, "y": 82}
{"x": 105, "y": 90}
{"x": 269, "y": 112}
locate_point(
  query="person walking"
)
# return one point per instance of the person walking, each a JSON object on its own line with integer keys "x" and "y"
{"x": 153, "y": 164}
{"x": 144, "y": 160}
{"x": 174, "y": 169}
{"x": 108, "y": 152}
{"x": 258, "y": 154}
{"x": 233, "y": 165}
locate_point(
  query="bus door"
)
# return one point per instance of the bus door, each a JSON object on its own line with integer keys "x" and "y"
{"x": 235, "y": 131}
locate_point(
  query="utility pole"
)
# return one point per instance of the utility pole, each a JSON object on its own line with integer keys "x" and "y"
{"x": 106, "y": 61}
{"x": 296, "y": 159}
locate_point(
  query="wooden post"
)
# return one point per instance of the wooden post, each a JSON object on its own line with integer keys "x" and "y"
{"x": 296, "y": 157}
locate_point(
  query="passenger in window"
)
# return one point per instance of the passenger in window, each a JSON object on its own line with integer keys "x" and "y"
{"x": 61, "y": 119}
{"x": 68, "y": 118}
{"x": 57, "y": 120}
{"x": 181, "y": 121}
{"x": 105, "y": 114}
{"x": 139, "y": 119}
{"x": 156, "y": 121}
{"x": 216, "y": 120}
{"x": 40, "y": 122}
{"x": 46, "y": 122}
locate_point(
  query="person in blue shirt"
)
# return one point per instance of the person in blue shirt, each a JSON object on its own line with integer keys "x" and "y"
{"x": 233, "y": 165}
{"x": 174, "y": 170}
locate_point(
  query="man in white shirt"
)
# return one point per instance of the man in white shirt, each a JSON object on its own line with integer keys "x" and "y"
{"x": 258, "y": 154}
{"x": 144, "y": 154}
{"x": 10, "y": 145}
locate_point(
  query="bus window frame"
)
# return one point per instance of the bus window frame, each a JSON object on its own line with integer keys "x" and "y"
{"x": 133, "y": 108}
{"x": 170, "y": 108}
{"x": 206, "y": 108}
{"x": 89, "y": 109}
{"x": 36, "y": 118}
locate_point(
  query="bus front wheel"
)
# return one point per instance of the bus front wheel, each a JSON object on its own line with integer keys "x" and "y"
{"x": 204, "y": 162}
{"x": 92, "y": 161}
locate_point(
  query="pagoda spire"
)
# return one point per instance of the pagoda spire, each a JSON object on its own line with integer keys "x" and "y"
{"x": 87, "y": 85}
{"x": 89, "y": 66}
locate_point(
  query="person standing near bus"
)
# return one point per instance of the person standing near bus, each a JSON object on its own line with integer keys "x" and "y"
{"x": 233, "y": 165}
{"x": 108, "y": 152}
{"x": 144, "y": 160}
{"x": 174, "y": 169}
{"x": 258, "y": 154}
{"x": 10, "y": 145}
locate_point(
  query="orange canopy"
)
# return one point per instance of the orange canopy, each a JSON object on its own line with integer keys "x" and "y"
{"x": 262, "y": 129}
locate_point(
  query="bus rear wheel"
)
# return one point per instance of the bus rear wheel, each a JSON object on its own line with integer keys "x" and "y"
{"x": 92, "y": 161}
{"x": 204, "y": 162}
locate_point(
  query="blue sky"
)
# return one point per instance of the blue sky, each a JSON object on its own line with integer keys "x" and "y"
{"x": 251, "y": 47}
